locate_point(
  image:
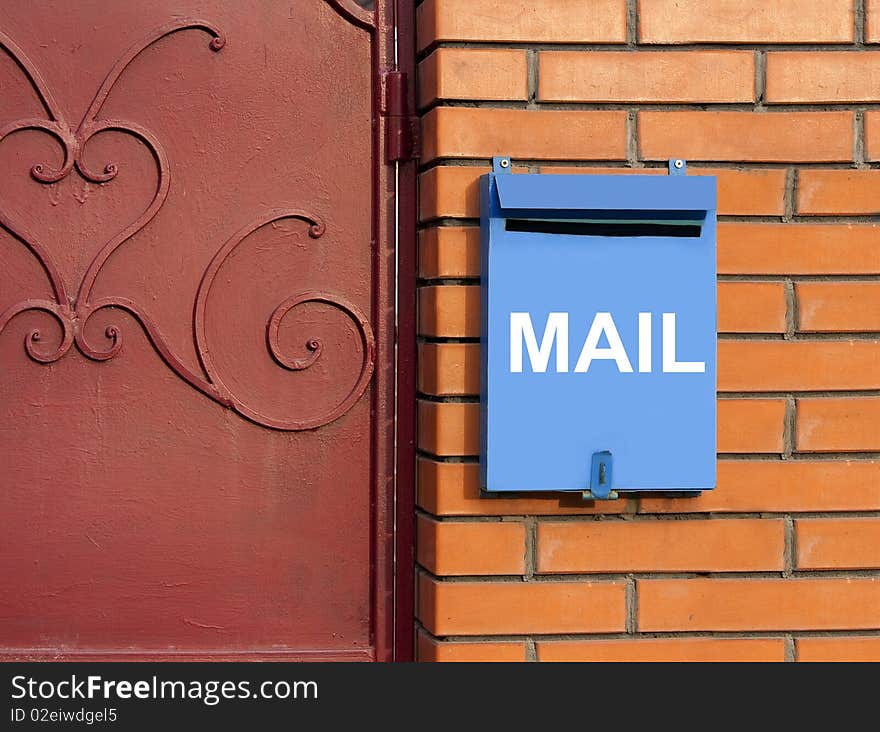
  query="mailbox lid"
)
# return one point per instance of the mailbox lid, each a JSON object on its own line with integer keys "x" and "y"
{"x": 637, "y": 195}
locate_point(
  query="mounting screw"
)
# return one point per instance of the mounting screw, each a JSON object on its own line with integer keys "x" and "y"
{"x": 679, "y": 164}
{"x": 505, "y": 163}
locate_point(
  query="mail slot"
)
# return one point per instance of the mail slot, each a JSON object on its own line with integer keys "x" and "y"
{"x": 599, "y": 332}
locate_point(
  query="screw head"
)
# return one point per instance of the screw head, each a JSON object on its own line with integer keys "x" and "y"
{"x": 505, "y": 163}
{"x": 679, "y": 164}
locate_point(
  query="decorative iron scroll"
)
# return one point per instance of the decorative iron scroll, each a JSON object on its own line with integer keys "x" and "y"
{"x": 353, "y": 12}
{"x": 72, "y": 313}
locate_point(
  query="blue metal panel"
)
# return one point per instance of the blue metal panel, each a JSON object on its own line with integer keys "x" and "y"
{"x": 541, "y": 429}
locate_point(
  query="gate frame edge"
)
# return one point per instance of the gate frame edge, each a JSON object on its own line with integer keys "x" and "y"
{"x": 396, "y": 25}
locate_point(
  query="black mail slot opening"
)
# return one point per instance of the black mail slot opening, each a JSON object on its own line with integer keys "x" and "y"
{"x": 687, "y": 229}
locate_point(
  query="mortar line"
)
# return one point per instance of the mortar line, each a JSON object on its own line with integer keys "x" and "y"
{"x": 531, "y": 549}
{"x": 446, "y": 161}
{"x": 632, "y": 23}
{"x": 632, "y": 139}
{"x": 623, "y": 577}
{"x": 789, "y": 550}
{"x": 659, "y": 105}
{"x": 532, "y": 72}
{"x": 623, "y": 45}
{"x": 760, "y": 79}
{"x": 659, "y": 635}
{"x": 791, "y": 311}
{"x": 789, "y": 195}
{"x": 790, "y": 649}
{"x": 632, "y": 603}
{"x": 531, "y": 650}
{"x": 859, "y": 154}
{"x": 859, "y": 23}
{"x": 789, "y": 438}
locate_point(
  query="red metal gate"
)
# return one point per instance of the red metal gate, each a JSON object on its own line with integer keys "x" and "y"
{"x": 196, "y": 331}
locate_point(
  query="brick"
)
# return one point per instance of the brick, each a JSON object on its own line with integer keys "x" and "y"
{"x": 747, "y": 248}
{"x": 663, "y": 650}
{"x": 872, "y": 27}
{"x": 872, "y": 135}
{"x": 850, "y": 424}
{"x": 751, "y": 307}
{"x": 722, "y": 545}
{"x": 758, "y": 604}
{"x": 781, "y": 486}
{"x": 645, "y": 76}
{"x": 740, "y": 192}
{"x": 449, "y": 429}
{"x": 838, "y": 192}
{"x": 798, "y": 365}
{"x": 747, "y": 192}
{"x": 817, "y": 77}
{"x": 745, "y": 21}
{"x": 829, "y": 307}
{"x": 484, "y": 548}
{"x": 452, "y": 192}
{"x": 551, "y": 21}
{"x": 746, "y": 136}
{"x": 469, "y": 132}
{"x": 452, "y": 489}
{"x": 449, "y": 311}
{"x": 848, "y": 648}
{"x": 449, "y": 369}
{"x": 483, "y": 608}
{"x": 449, "y": 251}
{"x": 478, "y": 73}
{"x": 849, "y": 543}
{"x": 433, "y": 651}
{"x": 751, "y": 425}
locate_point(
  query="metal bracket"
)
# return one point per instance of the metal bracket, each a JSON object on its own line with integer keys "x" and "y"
{"x": 678, "y": 166}
{"x": 501, "y": 165}
{"x": 600, "y": 478}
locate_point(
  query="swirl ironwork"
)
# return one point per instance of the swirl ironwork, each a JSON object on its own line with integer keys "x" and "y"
{"x": 72, "y": 313}
{"x": 354, "y": 12}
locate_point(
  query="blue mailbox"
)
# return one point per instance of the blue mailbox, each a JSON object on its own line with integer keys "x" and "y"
{"x": 599, "y": 332}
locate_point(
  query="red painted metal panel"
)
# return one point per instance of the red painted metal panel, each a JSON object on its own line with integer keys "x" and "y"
{"x": 196, "y": 330}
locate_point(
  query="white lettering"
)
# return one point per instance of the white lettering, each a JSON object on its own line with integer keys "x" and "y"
{"x": 670, "y": 365}
{"x": 644, "y": 343}
{"x": 555, "y": 335}
{"x": 603, "y": 323}
{"x": 522, "y": 330}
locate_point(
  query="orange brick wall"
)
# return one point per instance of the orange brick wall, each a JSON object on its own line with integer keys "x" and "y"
{"x": 782, "y": 560}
